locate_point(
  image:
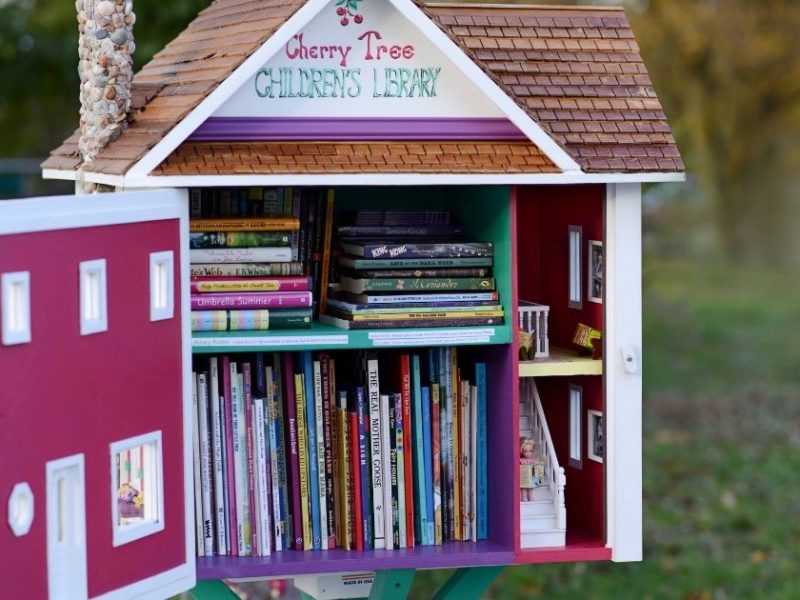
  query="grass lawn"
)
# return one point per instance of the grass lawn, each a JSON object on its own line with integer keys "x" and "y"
{"x": 721, "y": 447}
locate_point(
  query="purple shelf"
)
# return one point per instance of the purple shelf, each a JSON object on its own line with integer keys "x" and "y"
{"x": 291, "y": 562}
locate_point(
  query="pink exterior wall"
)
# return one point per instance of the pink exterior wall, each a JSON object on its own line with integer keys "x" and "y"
{"x": 65, "y": 393}
{"x": 544, "y": 214}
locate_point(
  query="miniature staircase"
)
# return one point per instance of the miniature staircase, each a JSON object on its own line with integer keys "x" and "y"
{"x": 543, "y": 521}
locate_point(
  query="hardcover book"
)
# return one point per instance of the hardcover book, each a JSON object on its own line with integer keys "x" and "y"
{"x": 245, "y": 300}
{"x": 266, "y": 269}
{"x": 378, "y": 299}
{"x": 422, "y": 322}
{"x": 418, "y": 284}
{"x": 250, "y": 320}
{"x": 249, "y": 284}
{"x": 238, "y": 239}
{"x": 393, "y": 249}
{"x": 240, "y": 255}
{"x": 370, "y": 264}
{"x": 245, "y": 224}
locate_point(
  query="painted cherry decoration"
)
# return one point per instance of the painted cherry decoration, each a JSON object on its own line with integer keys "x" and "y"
{"x": 344, "y": 21}
{"x": 341, "y": 11}
{"x": 358, "y": 18}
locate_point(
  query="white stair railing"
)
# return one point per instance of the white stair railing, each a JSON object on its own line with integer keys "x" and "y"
{"x": 554, "y": 476}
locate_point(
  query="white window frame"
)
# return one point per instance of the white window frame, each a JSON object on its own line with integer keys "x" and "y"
{"x": 575, "y": 429}
{"x": 162, "y": 285}
{"x": 16, "y": 302}
{"x": 123, "y": 534}
{"x": 94, "y": 299}
{"x": 575, "y": 280}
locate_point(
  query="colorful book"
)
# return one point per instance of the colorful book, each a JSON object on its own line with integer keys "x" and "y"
{"x": 198, "y": 488}
{"x": 392, "y": 249}
{"x": 326, "y": 251}
{"x": 401, "y": 324}
{"x": 436, "y": 463}
{"x": 482, "y": 520}
{"x": 456, "y": 424}
{"x": 473, "y": 463}
{"x": 295, "y": 516}
{"x": 375, "y": 299}
{"x": 329, "y": 426}
{"x": 267, "y": 269}
{"x": 307, "y": 367}
{"x": 234, "y": 301}
{"x": 408, "y": 458}
{"x": 414, "y": 315}
{"x": 228, "y": 285}
{"x": 363, "y": 463}
{"x": 428, "y": 535}
{"x": 400, "y": 451}
{"x": 229, "y": 406}
{"x": 238, "y": 239}
{"x": 283, "y": 527}
{"x": 400, "y": 231}
{"x": 389, "y": 480}
{"x": 240, "y": 463}
{"x": 206, "y": 475}
{"x": 319, "y": 423}
{"x": 367, "y": 264}
{"x": 416, "y": 273}
{"x": 263, "y": 478}
{"x": 345, "y": 498}
{"x": 245, "y": 224}
{"x": 271, "y": 435}
{"x": 416, "y": 284}
{"x": 418, "y": 450}
{"x": 250, "y": 320}
{"x": 216, "y": 449}
{"x": 303, "y": 460}
{"x": 351, "y": 308}
{"x": 240, "y": 255}
{"x": 395, "y": 484}
{"x": 250, "y": 458}
{"x": 355, "y": 472}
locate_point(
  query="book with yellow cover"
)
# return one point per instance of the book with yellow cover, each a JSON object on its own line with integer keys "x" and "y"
{"x": 245, "y": 224}
{"x": 302, "y": 453}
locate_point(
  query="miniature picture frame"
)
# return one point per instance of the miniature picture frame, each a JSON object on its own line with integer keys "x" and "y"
{"x": 594, "y": 270}
{"x": 595, "y": 446}
{"x": 575, "y": 243}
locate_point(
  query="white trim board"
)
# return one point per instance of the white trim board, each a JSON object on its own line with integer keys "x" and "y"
{"x": 156, "y": 155}
{"x": 361, "y": 179}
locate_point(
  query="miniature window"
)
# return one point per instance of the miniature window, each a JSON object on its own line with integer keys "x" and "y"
{"x": 575, "y": 412}
{"x": 575, "y": 241}
{"x": 94, "y": 308}
{"x": 162, "y": 286}
{"x": 137, "y": 488}
{"x": 16, "y": 303}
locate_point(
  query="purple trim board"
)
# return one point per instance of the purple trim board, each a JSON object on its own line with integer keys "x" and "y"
{"x": 232, "y": 129}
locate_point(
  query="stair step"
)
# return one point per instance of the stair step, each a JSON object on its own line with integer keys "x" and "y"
{"x": 544, "y": 539}
{"x": 536, "y": 508}
{"x": 538, "y": 523}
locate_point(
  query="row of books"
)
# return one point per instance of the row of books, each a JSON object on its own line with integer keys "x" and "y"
{"x": 411, "y": 269}
{"x": 259, "y": 257}
{"x": 351, "y": 450}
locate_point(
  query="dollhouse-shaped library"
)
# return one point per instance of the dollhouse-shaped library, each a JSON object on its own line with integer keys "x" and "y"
{"x": 364, "y": 298}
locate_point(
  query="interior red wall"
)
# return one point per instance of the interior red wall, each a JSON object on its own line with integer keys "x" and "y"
{"x": 544, "y": 216}
{"x": 64, "y": 394}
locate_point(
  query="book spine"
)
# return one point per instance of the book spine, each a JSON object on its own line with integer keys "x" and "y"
{"x": 410, "y": 323}
{"x": 473, "y": 463}
{"x": 272, "y": 436}
{"x": 295, "y": 519}
{"x": 389, "y": 480}
{"x": 444, "y": 441}
{"x": 376, "y": 454}
{"x": 198, "y": 487}
{"x": 250, "y": 449}
{"x": 414, "y": 316}
{"x": 240, "y": 255}
{"x": 351, "y": 231}
{"x": 319, "y": 422}
{"x": 416, "y": 273}
{"x": 302, "y": 451}
{"x": 408, "y": 469}
{"x": 351, "y": 308}
{"x": 400, "y": 451}
{"x": 436, "y": 463}
{"x": 456, "y": 446}
{"x": 466, "y": 436}
{"x": 481, "y": 442}
{"x": 329, "y": 447}
{"x": 238, "y": 239}
{"x": 355, "y": 471}
{"x": 417, "y": 284}
{"x": 217, "y": 301}
{"x": 346, "y": 478}
{"x": 250, "y": 320}
{"x": 283, "y": 445}
{"x": 217, "y": 442}
{"x": 205, "y": 466}
{"x": 203, "y": 285}
{"x": 428, "y": 250}
{"x": 240, "y": 483}
{"x": 267, "y": 269}
{"x": 230, "y": 460}
{"x": 420, "y": 510}
{"x": 268, "y": 224}
{"x": 413, "y": 263}
{"x": 263, "y": 477}
{"x": 363, "y": 464}
{"x": 293, "y": 201}
{"x": 428, "y": 535}
{"x": 307, "y": 366}
{"x": 326, "y": 251}
{"x": 426, "y": 298}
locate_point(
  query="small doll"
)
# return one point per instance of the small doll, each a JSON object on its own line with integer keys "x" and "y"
{"x": 526, "y": 468}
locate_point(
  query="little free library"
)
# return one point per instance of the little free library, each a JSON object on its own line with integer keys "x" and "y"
{"x": 348, "y": 288}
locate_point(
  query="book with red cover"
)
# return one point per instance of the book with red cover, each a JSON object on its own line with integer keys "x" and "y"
{"x": 355, "y": 472}
{"x": 242, "y": 300}
{"x": 296, "y": 525}
{"x": 251, "y": 464}
{"x": 405, "y": 393}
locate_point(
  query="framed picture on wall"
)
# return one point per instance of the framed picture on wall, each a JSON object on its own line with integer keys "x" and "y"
{"x": 594, "y": 284}
{"x": 595, "y": 447}
{"x": 575, "y": 278}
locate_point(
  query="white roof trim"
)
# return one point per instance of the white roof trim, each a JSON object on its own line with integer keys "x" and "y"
{"x": 187, "y": 181}
{"x": 156, "y": 155}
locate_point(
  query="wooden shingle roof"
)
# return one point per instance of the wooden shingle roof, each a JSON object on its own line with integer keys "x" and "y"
{"x": 576, "y": 71}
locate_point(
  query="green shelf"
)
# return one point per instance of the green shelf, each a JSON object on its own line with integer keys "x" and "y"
{"x": 326, "y": 337}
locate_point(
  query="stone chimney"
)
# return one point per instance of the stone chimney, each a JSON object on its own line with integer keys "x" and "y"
{"x": 105, "y": 48}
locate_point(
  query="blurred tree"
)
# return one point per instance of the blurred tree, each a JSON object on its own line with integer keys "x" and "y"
{"x": 728, "y": 75}
{"x": 38, "y": 65}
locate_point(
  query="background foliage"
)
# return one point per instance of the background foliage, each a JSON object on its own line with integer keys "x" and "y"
{"x": 722, "y": 416}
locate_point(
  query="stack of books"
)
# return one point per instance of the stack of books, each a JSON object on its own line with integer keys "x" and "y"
{"x": 411, "y": 269}
{"x": 359, "y": 451}
{"x": 254, "y": 266}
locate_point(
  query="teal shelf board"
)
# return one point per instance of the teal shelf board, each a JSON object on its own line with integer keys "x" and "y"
{"x": 327, "y": 337}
